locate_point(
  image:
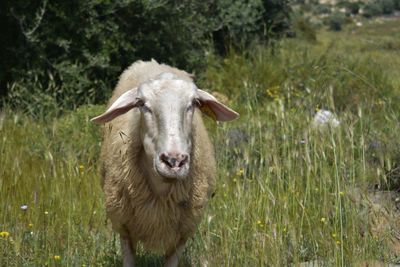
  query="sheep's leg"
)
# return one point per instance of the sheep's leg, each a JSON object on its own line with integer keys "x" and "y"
{"x": 172, "y": 259}
{"x": 128, "y": 252}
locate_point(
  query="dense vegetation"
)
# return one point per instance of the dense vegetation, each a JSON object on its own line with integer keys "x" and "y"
{"x": 288, "y": 191}
{"x": 67, "y": 53}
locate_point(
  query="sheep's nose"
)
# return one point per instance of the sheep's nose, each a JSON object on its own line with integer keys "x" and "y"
{"x": 174, "y": 160}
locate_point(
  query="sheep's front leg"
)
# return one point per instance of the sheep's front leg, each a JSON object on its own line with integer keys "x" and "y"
{"x": 128, "y": 252}
{"x": 172, "y": 258}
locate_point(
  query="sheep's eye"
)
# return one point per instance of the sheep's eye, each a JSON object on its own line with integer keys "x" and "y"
{"x": 195, "y": 103}
{"x": 191, "y": 106}
{"x": 143, "y": 107}
{"x": 139, "y": 103}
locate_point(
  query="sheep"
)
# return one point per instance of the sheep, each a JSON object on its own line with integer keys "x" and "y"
{"x": 158, "y": 166}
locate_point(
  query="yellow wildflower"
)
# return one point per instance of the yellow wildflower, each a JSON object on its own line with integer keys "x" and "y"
{"x": 57, "y": 257}
{"x": 323, "y": 220}
{"x": 4, "y": 234}
{"x": 337, "y": 242}
{"x": 240, "y": 172}
{"x": 46, "y": 212}
{"x": 30, "y": 225}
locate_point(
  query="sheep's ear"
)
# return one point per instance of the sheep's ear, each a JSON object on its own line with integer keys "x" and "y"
{"x": 213, "y": 108}
{"x": 123, "y": 104}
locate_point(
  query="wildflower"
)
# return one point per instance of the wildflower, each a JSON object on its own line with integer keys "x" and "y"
{"x": 240, "y": 172}
{"x": 30, "y": 225}
{"x": 4, "y": 234}
{"x": 24, "y": 207}
{"x": 46, "y": 212}
{"x": 334, "y": 235}
{"x": 325, "y": 117}
{"x": 337, "y": 242}
{"x": 57, "y": 257}
{"x": 323, "y": 220}
{"x": 260, "y": 223}
{"x": 341, "y": 193}
{"x": 81, "y": 168}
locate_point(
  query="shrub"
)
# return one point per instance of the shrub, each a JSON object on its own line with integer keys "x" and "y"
{"x": 304, "y": 29}
{"x": 354, "y": 7}
{"x": 336, "y": 21}
{"x": 388, "y": 6}
{"x": 396, "y": 4}
{"x": 322, "y": 9}
{"x": 71, "y": 53}
{"x": 372, "y": 9}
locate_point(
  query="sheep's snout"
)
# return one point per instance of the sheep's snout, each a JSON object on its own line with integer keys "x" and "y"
{"x": 173, "y": 165}
{"x": 174, "y": 161}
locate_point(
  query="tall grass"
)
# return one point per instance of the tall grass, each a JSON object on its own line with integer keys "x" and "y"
{"x": 287, "y": 192}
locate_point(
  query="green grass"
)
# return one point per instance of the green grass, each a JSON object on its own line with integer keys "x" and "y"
{"x": 285, "y": 190}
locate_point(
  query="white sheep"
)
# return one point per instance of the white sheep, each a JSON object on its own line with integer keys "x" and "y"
{"x": 158, "y": 162}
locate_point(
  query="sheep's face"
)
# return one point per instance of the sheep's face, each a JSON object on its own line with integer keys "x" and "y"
{"x": 167, "y": 106}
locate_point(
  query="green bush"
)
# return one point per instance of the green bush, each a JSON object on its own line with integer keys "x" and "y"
{"x": 336, "y": 21}
{"x": 388, "y": 6}
{"x": 372, "y": 9}
{"x": 304, "y": 29}
{"x": 70, "y": 53}
{"x": 322, "y": 9}
{"x": 396, "y": 4}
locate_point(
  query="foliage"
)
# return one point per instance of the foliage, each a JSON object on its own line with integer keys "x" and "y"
{"x": 351, "y": 7}
{"x": 388, "y": 6}
{"x": 354, "y": 7}
{"x": 304, "y": 29}
{"x": 322, "y": 9}
{"x": 336, "y": 21}
{"x": 71, "y": 53}
{"x": 372, "y": 9}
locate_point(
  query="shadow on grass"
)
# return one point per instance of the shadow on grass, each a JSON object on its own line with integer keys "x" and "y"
{"x": 145, "y": 259}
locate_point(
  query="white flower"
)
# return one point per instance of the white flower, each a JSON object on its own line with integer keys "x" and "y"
{"x": 24, "y": 207}
{"x": 325, "y": 117}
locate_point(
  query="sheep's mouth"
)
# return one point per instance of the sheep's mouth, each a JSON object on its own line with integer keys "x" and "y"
{"x": 171, "y": 175}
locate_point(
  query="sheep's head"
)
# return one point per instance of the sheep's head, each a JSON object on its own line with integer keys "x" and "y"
{"x": 167, "y": 105}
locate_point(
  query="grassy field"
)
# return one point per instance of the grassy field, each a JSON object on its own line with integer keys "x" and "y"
{"x": 288, "y": 192}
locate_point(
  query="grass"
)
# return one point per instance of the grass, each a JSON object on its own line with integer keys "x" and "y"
{"x": 286, "y": 191}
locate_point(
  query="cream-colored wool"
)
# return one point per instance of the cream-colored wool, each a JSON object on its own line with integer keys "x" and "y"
{"x": 159, "y": 222}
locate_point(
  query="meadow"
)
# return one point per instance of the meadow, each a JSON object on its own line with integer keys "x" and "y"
{"x": 288, "y": 192}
